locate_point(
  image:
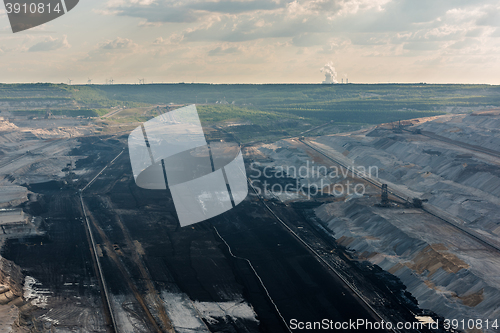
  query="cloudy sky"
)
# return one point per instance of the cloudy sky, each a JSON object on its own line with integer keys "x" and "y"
{"x": 259, "y": 41}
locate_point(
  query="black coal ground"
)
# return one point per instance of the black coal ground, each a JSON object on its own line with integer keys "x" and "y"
{"x": 60, "y": 261}
{"x": 192, "y": 260}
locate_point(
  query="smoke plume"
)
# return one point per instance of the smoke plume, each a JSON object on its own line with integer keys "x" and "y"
{"x": 330, "y": 73}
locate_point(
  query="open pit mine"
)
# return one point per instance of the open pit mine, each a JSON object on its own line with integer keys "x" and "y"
{"x": 396, "y": 223}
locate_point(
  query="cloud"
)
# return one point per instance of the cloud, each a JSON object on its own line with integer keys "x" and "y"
{"x": 296, "y": 32}
{"x": 117, "y": 44}
{"x": 475, "y": 32}
{"x": 172, "y": 39}
{"x": 369, "y": 39}
{"x": 236, "y": 7}
{"x": 422, "y": 46}
{"x": 112, "y": 49}
{"x": 160, "y": 41}
{"x": 247, "y": 27}
{"x": 490, "y": 17}
{"x": 159, "y": 13}
{"x": 186, "y": 11}
{"x": 305, "y": 23}
{"x": 50, "y": 44}
{"x": 466, "y": 43}
{"x": 223, "y": 50}
{"x": 311, "y": 23}
{"x": 496, "y": 33}
{"x": 310, "y": 39}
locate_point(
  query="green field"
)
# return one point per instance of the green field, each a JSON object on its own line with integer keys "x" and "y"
{"x": 265, "y": 111}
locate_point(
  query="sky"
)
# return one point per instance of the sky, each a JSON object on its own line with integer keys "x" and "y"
{"x": 259, "y": 41}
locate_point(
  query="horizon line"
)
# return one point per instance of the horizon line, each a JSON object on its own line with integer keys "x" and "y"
{"x": 207, "y": 83}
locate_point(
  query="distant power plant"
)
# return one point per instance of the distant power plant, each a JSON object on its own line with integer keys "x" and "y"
{"x": 331, "y": 74}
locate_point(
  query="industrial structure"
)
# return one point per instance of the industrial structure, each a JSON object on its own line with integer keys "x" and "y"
{"x": 386, "y": 202}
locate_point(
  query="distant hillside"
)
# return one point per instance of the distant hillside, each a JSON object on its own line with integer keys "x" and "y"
{"x": 279, "y": 109}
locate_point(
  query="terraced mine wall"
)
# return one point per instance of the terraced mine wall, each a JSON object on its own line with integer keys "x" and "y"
{"x": 439, "y": 279}
{"x": 11, "y": 292}
{"x": 10, "y": 281}
{"x": 446, "y": 270}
